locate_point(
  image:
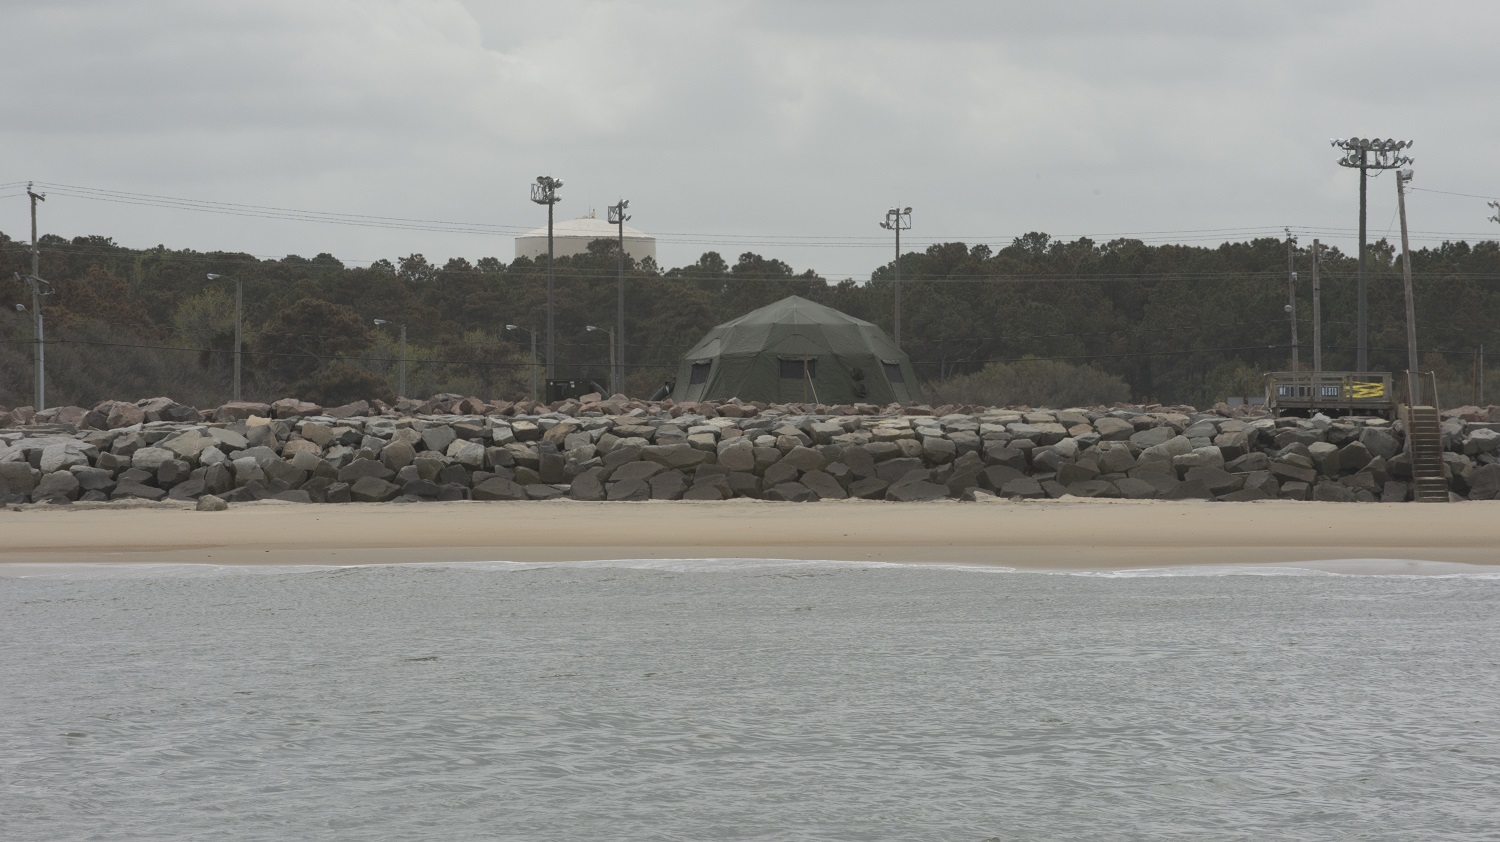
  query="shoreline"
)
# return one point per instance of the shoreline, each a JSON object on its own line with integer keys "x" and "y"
{"x": 1039, "y": 535}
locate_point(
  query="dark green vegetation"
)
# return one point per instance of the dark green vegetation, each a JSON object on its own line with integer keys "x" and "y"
{"x": 1174, "y": 323}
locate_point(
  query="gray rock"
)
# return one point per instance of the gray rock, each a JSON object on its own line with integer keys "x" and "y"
{"x": 211, "y": 503}
{"x": 629, "y": 490}
{"x": 790, "y": 492}
{"x": 56, "y": 485}
{"x": 1024, "y": 487}
{"x": 358, "y": 469}
{"x": 18, "y": 477}
{"x": 373, "y": 489}
{"x": 631, "y": 471}
{"x": 471, "y": 453}
{"x": 1288, "y": 472}
{"x": 1484, "y": 482}
{"x": 824, "y": 486}
{"x": 498, "y": 488}
{"x": 1249, "y": 462}
{"x": 397, "y": 455}
{"x": 804, "y": 459}
{"x": 676, "y": 456}
{"x": 1175, "y": 446}
{"x": 668, "y": 485}
{"x": 1153, "y": 436}
{"x": 1135, "y": 489}
{"x": 1110, "y": 428}
{"x": 64, "y": 455}
{"x": 868, "y": 488}
{"x": 1296, "y": 490}
{"x": 1094, "y": 488}
{"x": 1217, "y": 480}
{"x": 1333, "y": 492}
{"x": 437, "y": 438}
{"x": 130, "y": 490}
{"x": 737, "y": 454}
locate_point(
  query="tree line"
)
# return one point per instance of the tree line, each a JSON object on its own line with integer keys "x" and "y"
{"x": 1172, "y": 323}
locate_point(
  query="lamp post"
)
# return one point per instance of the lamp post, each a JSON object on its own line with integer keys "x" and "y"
{"x": 897, "y": 220}
{"x": 617, "y": 366}
{"x": 401, "y": 372}
{"x": 1358, "y": 152}
{"x": 614, "y": 385}
{"x": 544, "y": 192}
{"x": 39, "y": 334}
{"x": 239, "y": 310}
{"x": 1403, "y": 177}
{"x": 38, "y": 289}
{"x": 533, "y": 356}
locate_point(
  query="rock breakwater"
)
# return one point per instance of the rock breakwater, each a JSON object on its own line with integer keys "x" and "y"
{"x": 618, "y": 449}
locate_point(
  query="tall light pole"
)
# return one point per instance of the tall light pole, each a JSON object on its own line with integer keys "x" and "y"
{"x": 401, "y": 372}
{"x": 533, "y": 356}
{"x": 1317, "y": 307}
{"x": 614, "y": 385}
{"x": 897, "y": 220}
{"x": 1365, "y": 154}
{"x": 38, "y": 289}
{"x": 1291, "y": 293}
{"x": 239, "y": 310}
{"x": 617, "y": 365}
{"x": 1414, "y": 384}
{"x": 544, "y": 192}
{"x": 34, "y": 281}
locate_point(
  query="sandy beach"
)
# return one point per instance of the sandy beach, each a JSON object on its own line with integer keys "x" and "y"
{"x": 1054, "y": 534}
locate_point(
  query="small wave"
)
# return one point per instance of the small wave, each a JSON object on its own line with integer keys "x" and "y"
{"x": 1364, "y": 567}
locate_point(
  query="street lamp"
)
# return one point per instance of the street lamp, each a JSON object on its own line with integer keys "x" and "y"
{"x": 533, "y": 356}
{"x": 401, "y": 372}
{"x": 617, "y": 368}
{"x": 544, "y": 192}
{"x": 897, "y": 220}
{"x": 38, "y": 288}
{"x": 1358, "y": 152}
{"x": 614, "y": 385}
{"x": 239, "y": 309}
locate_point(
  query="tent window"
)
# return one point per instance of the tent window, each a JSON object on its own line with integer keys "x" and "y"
{"x": 699, "y": 374}
{"x": 791, "y": 369}
{"x": 893, "y": 371}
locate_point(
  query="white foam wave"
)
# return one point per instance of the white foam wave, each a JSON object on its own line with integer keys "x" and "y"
{"x": 1366, "y": 567}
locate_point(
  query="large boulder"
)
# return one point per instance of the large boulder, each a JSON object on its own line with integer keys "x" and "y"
{"x": 240, "y": 410}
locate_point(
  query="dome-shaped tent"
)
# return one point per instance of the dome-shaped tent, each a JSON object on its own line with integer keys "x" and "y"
{"x": 797, "y": 351}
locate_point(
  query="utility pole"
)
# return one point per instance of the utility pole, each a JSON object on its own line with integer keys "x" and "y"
{"x": 1291, "y": 293}
{"x": 239, "y": 319}
{"x": 1357, "y": 155}
{"x": 897, "y": 220}
{"x": 36, "y": 303}
{"x": 544, "y": 192}
{"x": 1402, "y": 177}
{"x": 618, "y": 217}
{"x": 1317, "y": 314}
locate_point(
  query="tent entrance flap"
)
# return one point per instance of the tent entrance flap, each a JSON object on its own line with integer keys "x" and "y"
{"x": 797, "y": 376}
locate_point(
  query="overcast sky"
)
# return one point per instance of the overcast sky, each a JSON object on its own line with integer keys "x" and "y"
{"x": 784, "y": 128}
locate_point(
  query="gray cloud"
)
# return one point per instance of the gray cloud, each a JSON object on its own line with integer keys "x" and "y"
{"x": 743, "y": 125}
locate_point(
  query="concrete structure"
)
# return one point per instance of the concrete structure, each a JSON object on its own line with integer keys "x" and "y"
{"x": 574, "y": 235}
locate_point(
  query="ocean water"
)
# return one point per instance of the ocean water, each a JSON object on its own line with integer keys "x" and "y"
{"x": 707, "y": 700}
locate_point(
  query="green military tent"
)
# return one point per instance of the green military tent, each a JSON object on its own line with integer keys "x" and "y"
{"x": 797, "y": 351}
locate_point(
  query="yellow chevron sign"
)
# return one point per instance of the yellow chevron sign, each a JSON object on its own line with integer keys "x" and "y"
{"x": 1365, "y": 390}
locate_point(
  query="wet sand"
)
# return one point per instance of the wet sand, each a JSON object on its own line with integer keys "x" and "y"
{"x": 1043, "y": 535}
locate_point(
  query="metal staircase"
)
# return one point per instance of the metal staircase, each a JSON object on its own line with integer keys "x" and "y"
{"x": 1424, "y": 441}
